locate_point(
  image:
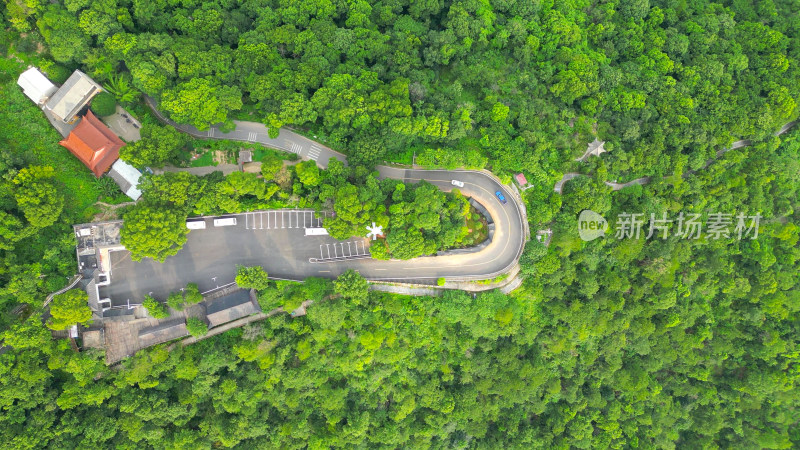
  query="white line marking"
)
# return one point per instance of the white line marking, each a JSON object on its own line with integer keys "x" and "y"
{"x": 321, "y": 256}
{"x": 348, "y": 249}
{"x": 283, "y": 220}
{"x": 252, "y": 136}
{"x": 261, "y": 216}
{"x": 328, "y": 246}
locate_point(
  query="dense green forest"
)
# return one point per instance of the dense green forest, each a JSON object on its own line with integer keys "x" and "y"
{"x": 659, "y": 343}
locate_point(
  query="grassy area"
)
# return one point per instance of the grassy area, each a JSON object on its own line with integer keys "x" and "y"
{"x": 207, "y": 147}
{"x": 28, "y": 134}
{"x": 206, "y": 159}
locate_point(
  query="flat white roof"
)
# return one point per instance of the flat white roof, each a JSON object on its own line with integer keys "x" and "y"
{"x": 127, "y": 177}
{"x": 35, "y": 85}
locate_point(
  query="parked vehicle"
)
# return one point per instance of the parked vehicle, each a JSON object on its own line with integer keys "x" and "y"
{"x": 501, "y": 197}
{"x": 196, "y": 224}
{"x": 457, "y": 183}
{"x": 225, "y": 222}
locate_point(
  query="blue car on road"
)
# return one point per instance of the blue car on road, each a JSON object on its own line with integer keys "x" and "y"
{"x": 500, "y": 197}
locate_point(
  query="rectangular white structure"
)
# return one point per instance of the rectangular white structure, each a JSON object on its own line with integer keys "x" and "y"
{"x": 196, "y": 224}
{"x": 127, "y": 178}
{"x": 35, "y": 85}
{"x": 225, "y": 222}
{"x": 316, "y": 232}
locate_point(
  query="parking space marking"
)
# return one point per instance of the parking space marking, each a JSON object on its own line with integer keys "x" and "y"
{"x": 283, "y": 219}
{"x": 252, "y": 136}
{"x": 211, "y": 132}
{"x": 340, "y": 253}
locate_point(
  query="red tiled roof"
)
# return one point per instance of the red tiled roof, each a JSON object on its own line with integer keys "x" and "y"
{"x": 521, "y": 179}
{"x": 94, "y": 144}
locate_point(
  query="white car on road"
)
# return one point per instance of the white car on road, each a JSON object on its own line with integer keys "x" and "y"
{"x": 457, "y": 183}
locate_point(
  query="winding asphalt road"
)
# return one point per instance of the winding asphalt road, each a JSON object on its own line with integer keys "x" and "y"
{"x": 210, "y": 255}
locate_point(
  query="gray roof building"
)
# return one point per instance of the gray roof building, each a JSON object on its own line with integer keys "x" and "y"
{"x": 73, "y": 95}
{"x": 163, "y": 332}
{"x": 236, "y": 305}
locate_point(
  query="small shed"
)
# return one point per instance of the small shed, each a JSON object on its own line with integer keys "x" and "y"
{"x": 521, "y": 180}
{"x": 35, "y": 85}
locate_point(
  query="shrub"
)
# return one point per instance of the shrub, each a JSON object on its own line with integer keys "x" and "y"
{"x": 252, "y": 277}
{"x": 175, "y": 301}
{"x": 156, "y": 309}
{"x": 440, "y": 281}
{"x": 196, "y": 327}
{"x": 104, "y": 104}
{"x": 192, "y": 294}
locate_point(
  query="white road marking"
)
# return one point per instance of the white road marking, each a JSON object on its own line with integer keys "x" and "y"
{"x": 252, "y": 136}
{"x": 261, "y": 216}
{"x": 314, "y": 152}
{"x": 283, "y": 220}
{"x": 295, "y": 147}
{"x": 210, "y": 132}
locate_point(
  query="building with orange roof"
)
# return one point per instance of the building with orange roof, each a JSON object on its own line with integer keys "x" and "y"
{"x": 94, "y": 144}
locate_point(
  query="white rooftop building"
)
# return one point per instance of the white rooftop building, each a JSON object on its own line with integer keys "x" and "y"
{"x": 36, "y": 86}
{"x": 127, "y": 177}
